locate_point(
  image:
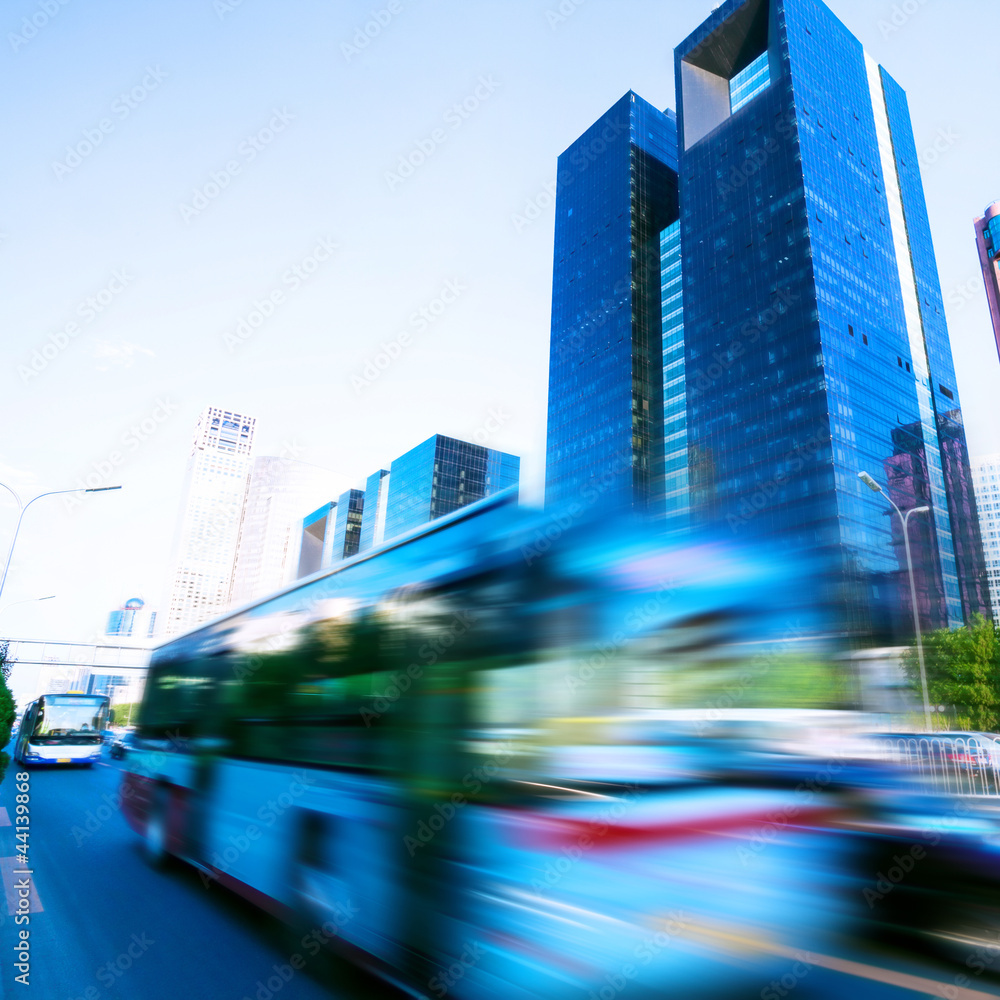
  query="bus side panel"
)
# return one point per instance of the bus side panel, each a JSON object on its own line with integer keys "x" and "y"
{"x": 258, "y": 815}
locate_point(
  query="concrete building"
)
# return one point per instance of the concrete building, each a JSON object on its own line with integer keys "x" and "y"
{"x": 208, "y": 531}
{"x": 270, "y": 536}
{"x": 986, "y": 478}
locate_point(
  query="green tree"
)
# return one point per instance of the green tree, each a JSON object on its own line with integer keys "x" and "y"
{"x": 8, "y": 709}
{"x": 126, "y": 713}
{"x": 963, "y": 673}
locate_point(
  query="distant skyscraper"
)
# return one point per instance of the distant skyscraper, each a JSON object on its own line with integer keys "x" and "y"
{"x": 816, "y": 343}
{"x": 988, "y": 242}
{"x": 342, "y": 542}
{"x": 267, "y": 554}
{"x": 133, "y": 620}
{"x": 617, "y": 191}
{"x": 439, "y": 476}
{"x": 986, "y": 476}
{"x": 208, "y": 532}
{"x": 314, "y": 528}
{"x": 375, "y": 504}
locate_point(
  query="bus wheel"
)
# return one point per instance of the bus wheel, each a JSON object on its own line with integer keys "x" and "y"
{"x": 155, "y": 844}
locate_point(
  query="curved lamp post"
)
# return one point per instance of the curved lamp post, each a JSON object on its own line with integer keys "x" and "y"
{"x": 27, "y": 600}
{"x": 22, "y": 507}
{"x": 904, "y": 520}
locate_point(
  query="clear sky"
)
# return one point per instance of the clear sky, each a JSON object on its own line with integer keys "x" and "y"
{"x": 175, "y": 163}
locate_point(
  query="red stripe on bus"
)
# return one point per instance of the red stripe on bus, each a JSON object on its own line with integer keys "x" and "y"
{"x": 555, "y": 834}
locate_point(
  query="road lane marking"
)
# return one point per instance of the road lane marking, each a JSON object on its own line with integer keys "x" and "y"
{"x": 725, "y": 939}
{"x": 918, "y": 984}
{"x": 7, "y": 868}
{"x": 4, "y": 816}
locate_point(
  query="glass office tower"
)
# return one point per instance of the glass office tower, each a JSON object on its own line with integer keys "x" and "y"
{"x": 343, "y": 542}
{"x": 675, "y": 444}
{"x": 816, "y": 343}
{"x": 440, "y": 475}
{"x": 617, "y": 191}
{"x": 376, "y": 500}
{"x": 988, "y": 245}
{"x": 314, "y": 530}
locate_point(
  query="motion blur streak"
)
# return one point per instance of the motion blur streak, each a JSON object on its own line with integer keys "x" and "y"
{"x": 619, "y": 764}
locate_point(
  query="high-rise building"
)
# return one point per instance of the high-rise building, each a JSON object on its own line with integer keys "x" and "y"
{"x": 375, "y": 503}
{"x": 986, "y": 476}
{"x": 988, "y": 244}
{"x": 440, "y": 475}
{"x": 133, "y": 620}
{"x": 342, "y": 542}
{"x": 267, "y": 553}
{"x": 676, "y": 492}
{"x": 312, "y": 542}
{"x": 814, "y": 327}
{"x": 616, "y": 193}
{"x": 208, "y": 531}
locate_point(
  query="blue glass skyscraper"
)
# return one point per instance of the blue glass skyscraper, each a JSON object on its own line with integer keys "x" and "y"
{"x": 616, "y": 193}
{"x": 375, "y": 503}
{"x": 440, "y": 475}
{"x": 816, "y": 343}
{"x": 346, "y": 536}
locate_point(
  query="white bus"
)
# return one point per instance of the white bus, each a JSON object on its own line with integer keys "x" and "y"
{"x": 62, "y": 729}
{"x": 399, "y": 759}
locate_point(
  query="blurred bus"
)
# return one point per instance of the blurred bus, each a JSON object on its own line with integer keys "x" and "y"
{"x": 400, "y": 757}
{"x": 62, "y": 729}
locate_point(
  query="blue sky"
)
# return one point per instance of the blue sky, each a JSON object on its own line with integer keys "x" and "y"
{"x": 180, "y": 164}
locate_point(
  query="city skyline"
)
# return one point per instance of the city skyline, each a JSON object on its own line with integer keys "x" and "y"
{"x": 234, "y": 305}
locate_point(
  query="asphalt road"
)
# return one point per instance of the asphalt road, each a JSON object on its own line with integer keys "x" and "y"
{"x": 105, "y": 926}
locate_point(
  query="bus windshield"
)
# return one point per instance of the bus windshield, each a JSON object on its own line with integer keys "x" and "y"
{"x": 65, "y": 718}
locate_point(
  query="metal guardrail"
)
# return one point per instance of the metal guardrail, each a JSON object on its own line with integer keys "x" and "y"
{"x": 951, "y": 764}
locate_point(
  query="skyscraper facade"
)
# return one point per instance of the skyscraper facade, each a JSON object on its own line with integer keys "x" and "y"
{"x": 375, "y": 504}
{"x": 343, "y": 541}
{"x": 676, "y": 484}
{"x": 133, "y": 620}
{"x": 208, "y": 531}
{"x": 440, "y": 475}
{"x": 312, "y": 539}
{"x": 988, "y": 244}
{"x": 986, "y": 476}
{"x": 814, "y": 329}
{"x": 278, "y": 490}
{"x": 616, "y": 193}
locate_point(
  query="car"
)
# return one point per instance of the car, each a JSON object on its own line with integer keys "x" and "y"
{"x": 964, "y": 762}
{"x": 122, "y": 744}
{"x": 976, "y": 753}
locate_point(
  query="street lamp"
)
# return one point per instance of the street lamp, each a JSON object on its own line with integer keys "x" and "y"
{"x": 22, "y": 507}
{"x": 904, "y": 520}
{"x": 27, "y": 600}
